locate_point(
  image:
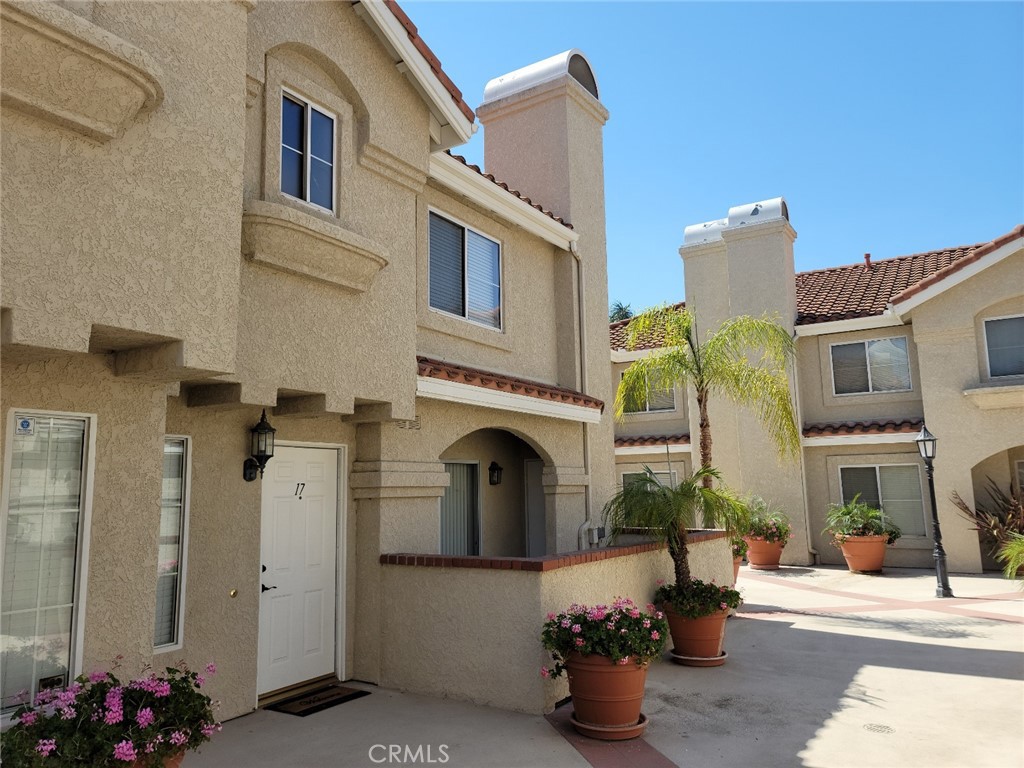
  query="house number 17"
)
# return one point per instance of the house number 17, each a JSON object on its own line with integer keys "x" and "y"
{"x": 299, "y": 488}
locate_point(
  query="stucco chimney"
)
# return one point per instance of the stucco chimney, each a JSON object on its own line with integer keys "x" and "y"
{"x": 543, "y": 128}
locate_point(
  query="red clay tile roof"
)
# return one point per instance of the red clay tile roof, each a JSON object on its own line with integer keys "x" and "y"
{"x": 890, "y": 427}
{"x": 641, "y": 441}
{"x": 514, "y": 192}
{"x": 438, "y": 369}
{"x": 432, "y": 60}
{"x": 618, "y": 336}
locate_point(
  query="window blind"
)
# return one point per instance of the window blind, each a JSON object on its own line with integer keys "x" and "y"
{"x": 170, "y": 547}
{"x": 458, "y": 511}
{"x": 484, "y": 280}
{"x": 849, "y": 368}
{"x": 447, "y": 278}
{"x": 1005, "y": 341}
{"x": 863, "y": 481}
{"x": 890, "y": 365}
{"x": 901, "y": 498}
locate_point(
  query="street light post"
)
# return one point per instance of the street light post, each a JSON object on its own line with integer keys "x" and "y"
{"x": 926, "y": 445}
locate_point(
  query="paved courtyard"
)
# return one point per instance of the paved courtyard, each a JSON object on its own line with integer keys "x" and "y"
{"x": 826, "y": 669}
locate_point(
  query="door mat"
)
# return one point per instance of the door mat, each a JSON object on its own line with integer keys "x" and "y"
{"x": 317, "y": 700}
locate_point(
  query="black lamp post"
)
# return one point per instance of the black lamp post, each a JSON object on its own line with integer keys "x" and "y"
{"x": 926, "y": 445}
{"x": 261, "y": 448}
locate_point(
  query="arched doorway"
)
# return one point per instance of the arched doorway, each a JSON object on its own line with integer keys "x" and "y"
{"x": 487, "y": 515}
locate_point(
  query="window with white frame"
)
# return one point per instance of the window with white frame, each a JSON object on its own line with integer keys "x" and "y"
{"x": 1004, "y": 341}
{"x": 171, "y": 549}
{"x": 665, "y": 478}
{"x": 307, "y": 151}
{"x": 893, "y": 488}
{"x": 465, "y": 272}
{"x": 654, "y": 400}
{"x": 43, "y": 552}
{"x": 877, "y": 365}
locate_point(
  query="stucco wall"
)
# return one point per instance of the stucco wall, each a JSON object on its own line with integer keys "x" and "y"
{"x": 679, "y": 463}
{"x": 473, "y": 634}
{"x": 674, "y": 422}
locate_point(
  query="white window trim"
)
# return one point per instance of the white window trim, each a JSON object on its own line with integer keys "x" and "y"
{"x": 465, "y": 272}
{"x": 186, "y": 504}
{"x": 878, "y": 481}
{"x": 984, "y": 333}
{"x": 479, "y": 509}
{"x": 307, "y": 152}
{"x": 647, "y": 401}
{"x": 867, "y": 362}
{"x": 82, "y": 559}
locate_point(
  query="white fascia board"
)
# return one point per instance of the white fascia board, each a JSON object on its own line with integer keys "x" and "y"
{"x": 823, "y": 440}
{"x": 966, "y": 273}
{"x": 416, "y": 68}
{"x": 465, "y": 181}
{"x": 632, "y": 355}
{"x": 468, "y": 394}
{"x": 636, "y": 450}
{"x": 887, "y": 319}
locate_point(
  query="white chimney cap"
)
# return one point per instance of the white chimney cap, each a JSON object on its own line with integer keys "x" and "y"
{"x": 707, "y": 232}
{"x": 572, "y": 62}
{"x": 752, "y": 213}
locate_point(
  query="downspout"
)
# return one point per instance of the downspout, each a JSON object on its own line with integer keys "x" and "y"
{"x": 581, "y": 535}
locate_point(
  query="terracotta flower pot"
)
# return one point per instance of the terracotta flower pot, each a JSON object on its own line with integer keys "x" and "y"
{"x": 736, "y": 568}
{"x": 606, "y": 697}
{"x": 697, "y": 642}
{"x": 763, "y": 555}
{"x": 171, "y": 761}
{"x": 864, "y": 554}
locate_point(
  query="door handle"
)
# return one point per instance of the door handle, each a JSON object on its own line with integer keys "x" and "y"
{"x": 265, "y": 588}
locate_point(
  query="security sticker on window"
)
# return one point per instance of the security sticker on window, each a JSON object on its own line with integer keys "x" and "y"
{"x": 25, "y": 426}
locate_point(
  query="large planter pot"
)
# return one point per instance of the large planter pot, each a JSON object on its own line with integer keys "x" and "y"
{"x": 171, "y": 761}
{"x": 764, "y": 555}
{"x": 864, "y": 554}
{"x": 697, "y": 642}
{"x": 736, "y": 561}
{"x": 606, "y": 697}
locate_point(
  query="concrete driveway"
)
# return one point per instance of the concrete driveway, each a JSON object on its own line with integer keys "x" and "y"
{"x": 826, "y": 669}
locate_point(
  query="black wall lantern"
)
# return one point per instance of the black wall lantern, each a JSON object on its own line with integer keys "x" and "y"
{"x": 261, "y": 448}
{"x": 494, "y": 473}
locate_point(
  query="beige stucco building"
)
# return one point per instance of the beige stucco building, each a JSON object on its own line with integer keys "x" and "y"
{"x": 215, "y": 210}
{"x": 883, "y": 347}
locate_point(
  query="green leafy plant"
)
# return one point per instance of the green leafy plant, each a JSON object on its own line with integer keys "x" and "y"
{"x": 698, "y": 599}
{"x": 739, "y": 546}
{"x": 99, "y": 721}
{"x": 1011, "y": 554}
{"x": 998, "y": 519}
{"x": 765, "y": 522}
{"x": 745, "y": 360}
{"x": 621, "y": 631}
{"x": 619, "y": 311}
{"x": 646, "y": 505}
{"x": 855, "y": 518}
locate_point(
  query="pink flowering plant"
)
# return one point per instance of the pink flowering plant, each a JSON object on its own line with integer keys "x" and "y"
{"x": 620, "y": 631}
{"x": 765, "y": 522}
{"x": 697, "y": 598}
{"x": 99, "y": 721}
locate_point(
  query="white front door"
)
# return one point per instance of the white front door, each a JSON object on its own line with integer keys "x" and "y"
{"x": 299, "y": 554}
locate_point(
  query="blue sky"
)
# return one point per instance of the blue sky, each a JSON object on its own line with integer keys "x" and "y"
{"x": 890, "y": 128}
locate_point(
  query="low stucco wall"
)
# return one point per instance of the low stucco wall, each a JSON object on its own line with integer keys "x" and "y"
{"x": 469, "y": 628}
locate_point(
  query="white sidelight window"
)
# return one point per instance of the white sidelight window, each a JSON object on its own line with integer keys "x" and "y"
{"x": 44, "y": 531}
{"x": 460, "y": 510}
{"x": 1004, "y": 341}
{"x": 893, "y": 488}
{"x": 656, "y": 400}
{"x": 173, "y": 545}
{"x": 465, "y": 272}
{"x": 878, "y": 365}
{"x": 307, "y": 151}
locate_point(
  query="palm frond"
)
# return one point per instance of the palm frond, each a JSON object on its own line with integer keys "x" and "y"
{"x": 767, "y": 393}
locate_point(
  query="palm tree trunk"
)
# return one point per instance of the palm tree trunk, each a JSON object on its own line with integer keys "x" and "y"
{"x": 705, "y": 434}
{"x": 680, "y": 552}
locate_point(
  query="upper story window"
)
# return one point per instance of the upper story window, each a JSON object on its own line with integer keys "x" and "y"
{"x": 877, "y": 365}
{"x": 1004, "y": 340}
{"x": 656, "y": 400}
{"x": 893, "y": 488}
{"x": 307, "y": 151}
{"x": 465, "y": 272}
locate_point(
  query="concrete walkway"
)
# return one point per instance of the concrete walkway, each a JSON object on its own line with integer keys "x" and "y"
{"x": 826, "y": 669}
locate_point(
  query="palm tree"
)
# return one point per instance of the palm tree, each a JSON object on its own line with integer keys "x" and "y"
{"x": 1011, "y": 554}
{"x": 721, "y": 364}
{"x": 665, "y": 512}
{"x": 619, "y": 311}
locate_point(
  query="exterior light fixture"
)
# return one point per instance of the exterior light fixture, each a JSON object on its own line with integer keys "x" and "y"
{"x": 927, "y": 446}
{"x": 261, "y": 448}
{"x": 494, "y": 473}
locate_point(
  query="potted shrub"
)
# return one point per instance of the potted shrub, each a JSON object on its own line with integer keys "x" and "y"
{"x": 862, "y": 533}
{"x": 99, "y": 721}
{"x": 696, "y": 611}
{"x": 606, "y": 651}
{"x": 739, "y": 551}
{"x": 766, "y": 530}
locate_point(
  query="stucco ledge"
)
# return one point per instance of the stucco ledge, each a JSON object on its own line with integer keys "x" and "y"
{"x": 62, "y": 68}
{"x": 989, "y": 398}
{"x": 286, "y": 239}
